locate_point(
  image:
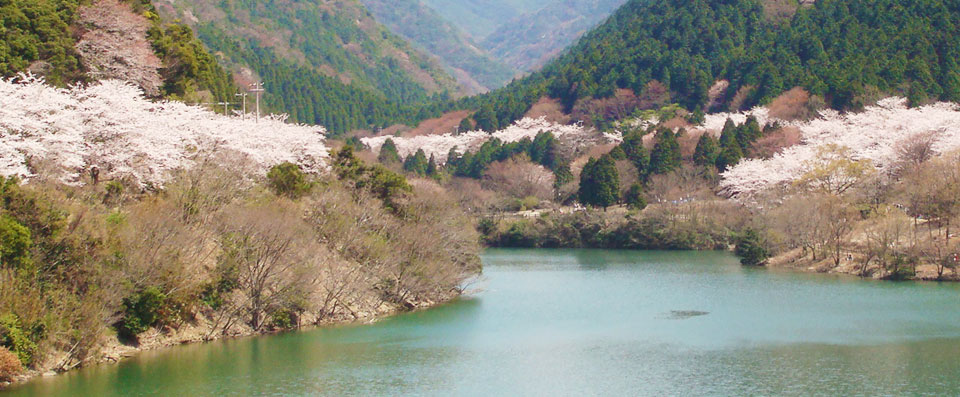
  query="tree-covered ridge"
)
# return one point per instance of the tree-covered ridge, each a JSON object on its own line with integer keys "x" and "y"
{"x": 311, "y": 97}
{"x": 339, "y": 39}
{"x": 33, "y": 31}
{"x": 411, "y": 19}
{"x": 849, "y": 52}
{"x": 40, "y": 36}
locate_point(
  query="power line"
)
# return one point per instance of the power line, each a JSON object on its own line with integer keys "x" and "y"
{"x": 257, "y": 88}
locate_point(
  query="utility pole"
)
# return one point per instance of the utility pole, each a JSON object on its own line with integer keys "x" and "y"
{"x": 243, "y": 116}
{"x": 257, "y": 88}
{"x": 225, "y": 105}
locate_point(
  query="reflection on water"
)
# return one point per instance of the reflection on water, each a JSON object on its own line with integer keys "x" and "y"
{"x": 590, "y": 322}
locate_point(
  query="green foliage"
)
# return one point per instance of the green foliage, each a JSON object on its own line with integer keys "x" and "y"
{"x": 15, "y": 244}
{"x": 39, "y": 30}
{"x": 666, "y": 153}
{"x": 432, "y": 170}
{"x": 388, "y": 153}
{"x": 283, "y": 319}
{"x": 486, "y": 119}
{"x": 635, "y": 199}
{"x": 599, "y": 183}
{"x": 287, "y": 179}
{"x": 417, "y": 163}
{"x": 188, "y": 67}
{"x": 634, "y": 150}
{"x": 386, "y": 185}
{"x": 750, "y": 249}
{"x": 836, "y": 49}
{"x": 20, "y": 340}
{"x": 707, "y": 150}
{"x": 140, "y": 312}
{"x": 465, "y": 125}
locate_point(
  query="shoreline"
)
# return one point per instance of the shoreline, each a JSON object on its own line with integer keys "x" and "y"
{"x": 200, "y": 332}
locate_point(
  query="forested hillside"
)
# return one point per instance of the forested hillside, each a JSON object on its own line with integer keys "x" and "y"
{"x": 483, "y": 17}
{"x": 849, "y": 52}
{"x": 325, "y": 63}
{"x": 422, "y": 26}
{"x": 46, "y": 37}
{"x": 530, "y": 40}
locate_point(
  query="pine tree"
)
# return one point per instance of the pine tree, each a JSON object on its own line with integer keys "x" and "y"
{"x": 416, "y": 164}
{"x": 666, "y": 154}
{"x": 730, "y": 151}
{"x": 465, "y": 125}
{"x": 600, "y": 183}
{"x": 707, "y": 150}
{"x": 637, "y": 154}
{"x": 634, "y": 198}
{"x": 388, "y": 153}
{"x": 432, "y": 167}
{"x": 750, "y": 249}
{"x": 486, "y": 119}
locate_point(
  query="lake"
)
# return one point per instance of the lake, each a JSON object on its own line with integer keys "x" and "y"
{"x": 589, "y": 322}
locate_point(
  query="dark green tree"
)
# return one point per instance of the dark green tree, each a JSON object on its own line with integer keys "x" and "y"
{"x": 416, "y": 163}
{"x": 707, "y": 150}
{"x": 600, "y": 183}
{"x": 635, "y": 151}
{"x": 465, "y": 125}
{"x": 388, "y": 153}
{"x": 432, "y": 167}
{"x": 666, "y": 153}
{"x": 750, "y": 249}
{"x": 486, "y": 119}
{"x": 635, "y": 199}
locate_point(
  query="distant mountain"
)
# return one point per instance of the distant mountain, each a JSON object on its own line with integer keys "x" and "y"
{"x": 425, "y": 28}
{"x": 337, "y": 38}
{"x": 530, "y": 40}
{"x": 329, "y": 63}
{"x": 480, "y": 18}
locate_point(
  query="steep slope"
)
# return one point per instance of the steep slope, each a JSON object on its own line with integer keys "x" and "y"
{"x": 74, "y": 41}
{"x": 849, "y": 52}
{"x": 336, "y": 38}
{"x": 482, "y": 17}
{"x": 421, "y": 25}
{"x": 529, "y": 41}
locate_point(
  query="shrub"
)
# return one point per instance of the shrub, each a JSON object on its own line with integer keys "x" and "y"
{"x": 9, "y": 365}
{"x": 18, "y": 340}
{"x": 15, "y": 244}
{"x": 140, "y": 312}
{"x": 287, "y": 179}
{"x": 283, "y": 320}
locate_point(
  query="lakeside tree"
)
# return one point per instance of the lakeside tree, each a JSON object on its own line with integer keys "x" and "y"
{"x": 750, "y": 248}
{"x": 599, "y": 183}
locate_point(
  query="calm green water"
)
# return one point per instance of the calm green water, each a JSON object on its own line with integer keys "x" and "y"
{"x": 591, "y": 323}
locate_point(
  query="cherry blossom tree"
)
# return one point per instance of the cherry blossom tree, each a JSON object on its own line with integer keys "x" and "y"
{"x": 111, "y": 129}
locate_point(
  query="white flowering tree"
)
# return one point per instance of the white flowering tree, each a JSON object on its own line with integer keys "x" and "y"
{"x": 110, "y": 126}
{"x": 877, "y": 135}
{"x": 439, "y": 145}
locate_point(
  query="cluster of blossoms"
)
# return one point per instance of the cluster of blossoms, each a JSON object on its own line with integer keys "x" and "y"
{"x": 874, "y": 135}
{"x": 439, "y": 145}
{"x": 110, "y": 126}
